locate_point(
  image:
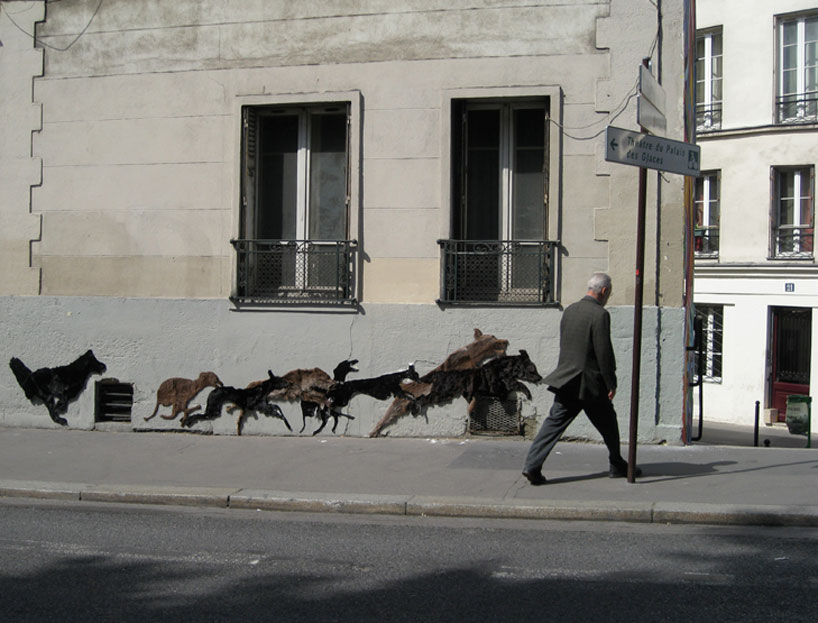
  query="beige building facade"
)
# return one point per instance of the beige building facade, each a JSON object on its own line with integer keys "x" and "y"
{"x": 242, "y": 186}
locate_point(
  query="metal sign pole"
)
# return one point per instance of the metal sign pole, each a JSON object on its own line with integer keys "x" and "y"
{"x": 637, "y": 322}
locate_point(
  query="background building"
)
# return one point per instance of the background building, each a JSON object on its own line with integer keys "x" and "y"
{"x": 756, "y": 282}
{"x": 243, "y": 186}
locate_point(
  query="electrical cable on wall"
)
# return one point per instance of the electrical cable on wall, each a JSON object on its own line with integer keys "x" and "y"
{"x": 48, "y": 45}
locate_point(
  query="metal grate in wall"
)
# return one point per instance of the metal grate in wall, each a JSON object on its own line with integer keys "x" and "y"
{"x": 113, "y": 401}
{"x": 492, "y": 416}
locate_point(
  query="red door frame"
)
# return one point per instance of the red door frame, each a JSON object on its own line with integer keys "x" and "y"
{"x": 779, "y": 390}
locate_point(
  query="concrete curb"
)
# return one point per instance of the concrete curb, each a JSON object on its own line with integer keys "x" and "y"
{"x": 409, "y": 505}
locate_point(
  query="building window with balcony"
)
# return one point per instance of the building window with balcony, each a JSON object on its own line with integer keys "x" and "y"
{"x": 707, "y": 215}
{"x": 797, "y": 89}
{"x": 793, "y": 211}
{"x": 499, "y": 253}
{"x": 708, "y": 80}
{"x": 293, "y": 245}
{"x": 710, "y": 323}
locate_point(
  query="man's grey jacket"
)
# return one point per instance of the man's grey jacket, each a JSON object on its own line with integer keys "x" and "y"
{"x": 586, "y": 352}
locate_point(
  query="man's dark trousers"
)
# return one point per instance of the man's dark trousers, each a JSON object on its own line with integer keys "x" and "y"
{"x": 566, "y": 407}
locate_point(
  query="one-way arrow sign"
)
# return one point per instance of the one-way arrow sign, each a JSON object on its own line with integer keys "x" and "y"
{"x": 651, "y": 152}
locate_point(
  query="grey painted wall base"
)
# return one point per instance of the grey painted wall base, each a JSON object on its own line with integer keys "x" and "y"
{"x": 145, "y": 341}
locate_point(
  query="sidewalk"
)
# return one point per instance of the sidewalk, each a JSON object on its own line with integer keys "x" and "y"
{"x": 480, "y": 477}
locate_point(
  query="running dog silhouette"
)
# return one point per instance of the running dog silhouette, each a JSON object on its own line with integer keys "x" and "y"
{"x": 309, "y": 386}
{"x": 56, "y": 387}
{"x": 243, "y": 400}
{"x": 178, "y": 392}
{"x": 483, "y": 348}
{"x": 379, "y": 387}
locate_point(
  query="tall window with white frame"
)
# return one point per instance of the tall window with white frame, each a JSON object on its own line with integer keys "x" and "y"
{"x": 708, "y": 79}
{"x": 797, "y": 89}
{"x": 710, "y": 341}
{"x": 707, "y": 215}
{"x": 293, "y": 243}
{"x": 499, "y": 252}
{"x": 793, "y": 211}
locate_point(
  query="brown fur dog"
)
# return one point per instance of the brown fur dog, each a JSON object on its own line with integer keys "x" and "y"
{"x": 483, "y": 348}
{"x": 178, "y": 392}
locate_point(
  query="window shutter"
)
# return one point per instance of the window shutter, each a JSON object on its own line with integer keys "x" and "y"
{"x": 248, "y": 172}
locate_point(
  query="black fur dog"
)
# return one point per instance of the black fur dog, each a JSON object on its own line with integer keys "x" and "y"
{"x": 379, "y": 387}
{"x": 253, "y": 398}
{"x": 56, "y": 387}
{"x": 323, "y": 411}
{"x": 499, "y": 377}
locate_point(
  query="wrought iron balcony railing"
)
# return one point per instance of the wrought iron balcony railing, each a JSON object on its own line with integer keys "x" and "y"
{"x": 500, "y": 272}
{"x": 296, "y": 271}
{"x": 706, "y": 241}
{"x": 708, "y": 117}
{"x": 800, "y": 108}
{"x": 793, "y": 241}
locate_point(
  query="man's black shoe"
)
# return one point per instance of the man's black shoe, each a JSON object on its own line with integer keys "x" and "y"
{"x": 535, "y": 478}
{"x": 621, "y": 471}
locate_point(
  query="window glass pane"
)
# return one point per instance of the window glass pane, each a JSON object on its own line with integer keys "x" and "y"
{"x": 806, "y": 211}
{"x": 328, "y": 177}
{"x": 811, "y": 29}
{"x": 528, "y": 181}
{"x": 811, "y": 79}
{"x": 785, "y": 216}
{"x": 790, "y": 82}
{"x": 790, "y": 32}
{"x": 277, "y": 170}
{"x": 790, "y": 57}
{"x": 715, "y": 44}
{"x": 483, "y": 172}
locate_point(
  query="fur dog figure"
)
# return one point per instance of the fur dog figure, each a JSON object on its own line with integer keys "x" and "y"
{"x": 499, "y": 377}
{"x": 379, "y": 387}
{"x": 483, "y": 348}
{"x": 177, "y": 392}
{"x": 309, "y": 387}
{"x": 253, "y": 398}
{"x": 56, "y": 387}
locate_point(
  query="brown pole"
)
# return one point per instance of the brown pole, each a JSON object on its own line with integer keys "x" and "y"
{"x": 637, "y": 322}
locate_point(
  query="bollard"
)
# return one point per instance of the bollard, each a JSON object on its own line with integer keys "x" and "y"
{"x": 755, "y": 430}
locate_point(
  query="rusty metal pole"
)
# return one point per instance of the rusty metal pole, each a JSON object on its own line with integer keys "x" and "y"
{"x": 637, "y": 322}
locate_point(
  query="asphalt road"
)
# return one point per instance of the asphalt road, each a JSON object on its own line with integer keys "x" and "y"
{"x": 81, "y": 562}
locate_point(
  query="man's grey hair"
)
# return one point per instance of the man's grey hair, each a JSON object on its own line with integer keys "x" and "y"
{"x": 599, "y": 281}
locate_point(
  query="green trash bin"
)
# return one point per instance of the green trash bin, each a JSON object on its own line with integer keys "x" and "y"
{"x": 799, "y": 416}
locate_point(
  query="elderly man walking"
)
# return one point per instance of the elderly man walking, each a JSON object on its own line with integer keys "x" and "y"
{"x": 585, "y": 380}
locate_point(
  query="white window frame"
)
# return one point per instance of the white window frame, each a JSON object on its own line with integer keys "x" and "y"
{"x": 711, "y": 117}
{"x": 802, "y": 112}
{"x": 506, "y": 155}
{"x": 712, "y": 325}
{"x": 706, "y": 202}
{"x": 803, "y": 188}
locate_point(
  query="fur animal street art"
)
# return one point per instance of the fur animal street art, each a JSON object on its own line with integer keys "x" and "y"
{"x": 483, "y": 348}
{"x": 309, "y": 387}
{"x": 497, "y": 378}
{"x": 177, "y": 392}
{"x": 379, "y": 387}
{"x": 56, "y": 387}
{"x": 244, "y": 400}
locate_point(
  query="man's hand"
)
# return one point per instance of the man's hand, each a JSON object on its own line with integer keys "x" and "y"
{"x": 611, "y": 395}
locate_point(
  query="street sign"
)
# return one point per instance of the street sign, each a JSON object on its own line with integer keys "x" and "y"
{"x": 650, "y": 105}
{"x": 649, "y": 117}
{"x": 651, "y": 152}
